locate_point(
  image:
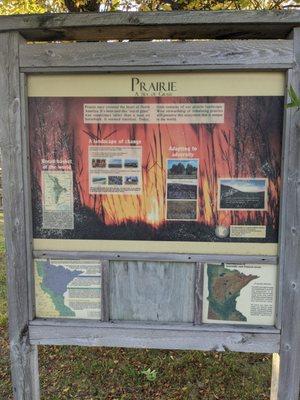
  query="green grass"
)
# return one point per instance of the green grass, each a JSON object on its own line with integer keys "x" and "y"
{"x": 116, "y": 374}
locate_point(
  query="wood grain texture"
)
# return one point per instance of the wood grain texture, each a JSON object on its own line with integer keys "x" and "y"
{"x": 275, "y": 376}
{"x": 199, "y": 268}
{"x": 24, "y": 363}
{"x": 152, "y": 291}
{"x": 289, "y": 370}
{"x": 105, "y": 291}
{"x": 139, "y": 256}
{"x": 154, "y": 25}
{"x": 83, "y": 324}
{"x": 27, "y": 195}
{"x": 250, "y": 54}
{"x": 151, "y": 336}
{"x": 283, "y": 203}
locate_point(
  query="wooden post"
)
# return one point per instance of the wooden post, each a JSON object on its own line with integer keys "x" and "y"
{"x": 286, "y": 365}
{"x": 24, "y": 359}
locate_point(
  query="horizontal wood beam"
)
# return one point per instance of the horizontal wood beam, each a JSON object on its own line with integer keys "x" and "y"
{"x": 83, "y": 323}
{"x": 123, "y": 256}
{"x": 228, "y": 54}
{"x": 153, "y": 25}
{"x": 134, "y": 335}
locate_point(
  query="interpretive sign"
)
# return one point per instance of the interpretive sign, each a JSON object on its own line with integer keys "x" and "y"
{"x": 119, "y": 160}
{"x": 152, "y": 187}
{"x": 57, "y": 200}
{"x": 238, "y": 294}
{"x": 198, "y": 163}
{"x": 70, "y": 289}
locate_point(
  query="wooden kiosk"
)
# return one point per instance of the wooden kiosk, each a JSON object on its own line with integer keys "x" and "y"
{"x": 151, "y": 188}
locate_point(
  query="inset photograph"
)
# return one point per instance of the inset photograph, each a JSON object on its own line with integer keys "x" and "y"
{"x": 182, "y": 169}
{"x": 181, "y": 191}
{"x": 98, "y": 163}
{"x": 181, "y": 210}
{"x": 115, "y": 163}
{"x": 99, "y": 180}
{"x": 243, "y": 194}
{"x": 131, "y": 180}
{"x": 115, "y": 180}
{"x": 131, "y": 163}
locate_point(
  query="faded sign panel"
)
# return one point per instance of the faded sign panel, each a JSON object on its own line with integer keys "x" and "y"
{"x": 152, "y": 291}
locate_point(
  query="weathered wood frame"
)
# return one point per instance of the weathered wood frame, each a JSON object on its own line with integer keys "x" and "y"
{"x": 19, "y": 59}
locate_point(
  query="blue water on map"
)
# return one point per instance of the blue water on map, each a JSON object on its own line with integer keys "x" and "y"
{"x": 57, "y": 277}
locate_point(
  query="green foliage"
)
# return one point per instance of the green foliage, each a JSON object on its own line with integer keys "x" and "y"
{"x": 30, "y": 6}
{"x": 207, "y": 5}
{"x": 294, "y": 99}
{"x": 42, "y": 6}
{"x": 150, "y": 375}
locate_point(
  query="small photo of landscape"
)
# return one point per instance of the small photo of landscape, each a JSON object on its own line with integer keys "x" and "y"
{"x": 115, "y": 163}
{"x": 115, "y": 180}
{"x": 243, "y": 194}
{"x": 182, "y": 169}
{"x": 131, "y": 180}
{"x": 181, "y": 191}
{"x": 131, "y": 163}
{"x": 98, "y": 163}
{"x": 181, "y": 210}
{"x": 99, "y": 180}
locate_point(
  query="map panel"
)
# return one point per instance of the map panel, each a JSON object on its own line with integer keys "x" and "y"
{"x": 239, "y": 294}
{"x": 68, "y": 289}
{"x": 58, "y": 202}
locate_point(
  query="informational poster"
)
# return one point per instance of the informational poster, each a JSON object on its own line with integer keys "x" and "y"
{"x": 239, "y": 294}
{"x": 243, "y": 194}
{"x": 182, "y": 189}
{"x": 57, "y": 194}
{"x": 162, "y": 162}
{"x": 68, "y": 288}
{"x": 115, "y": 170}
{"x": 153, "y": 113}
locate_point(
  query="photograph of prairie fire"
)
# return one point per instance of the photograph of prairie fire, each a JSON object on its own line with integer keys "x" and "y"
{"x": 246, "y": 146}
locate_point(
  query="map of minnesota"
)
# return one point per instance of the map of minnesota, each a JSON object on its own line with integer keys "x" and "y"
{"x": 68, "y": 288}
{"x": 54, "y": 281}
{"x": 224, "y": 287}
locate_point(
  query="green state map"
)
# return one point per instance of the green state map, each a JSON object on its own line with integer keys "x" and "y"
{"x": 224, "y": 287}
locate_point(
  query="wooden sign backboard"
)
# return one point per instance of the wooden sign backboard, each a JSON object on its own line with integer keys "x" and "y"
{"x": 151, "y": 188}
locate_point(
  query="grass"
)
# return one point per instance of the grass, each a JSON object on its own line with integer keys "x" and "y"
{"x": 117, "y": 374}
